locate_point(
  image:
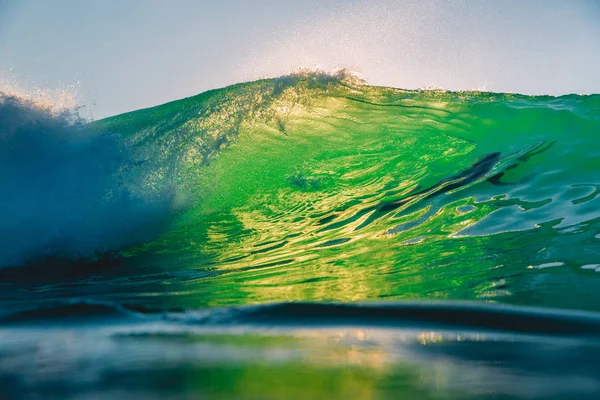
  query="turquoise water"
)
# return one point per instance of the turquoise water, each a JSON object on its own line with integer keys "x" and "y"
{"x": 368, "y": 214}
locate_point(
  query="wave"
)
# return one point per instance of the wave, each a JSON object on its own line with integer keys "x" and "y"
{"x": 317, "y": 187}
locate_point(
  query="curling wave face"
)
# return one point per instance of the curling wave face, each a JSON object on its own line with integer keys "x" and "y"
{"x": 318, "y": 187}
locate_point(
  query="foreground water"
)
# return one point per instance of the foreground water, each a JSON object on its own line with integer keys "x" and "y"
{"x": 309, "y": 188}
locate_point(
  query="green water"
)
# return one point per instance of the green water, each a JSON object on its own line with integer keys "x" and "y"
{"x": 283, "y": 186}
{"x": 367, "y": 214}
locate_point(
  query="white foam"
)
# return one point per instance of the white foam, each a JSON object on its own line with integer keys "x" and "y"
{"x": 548, "y": 265}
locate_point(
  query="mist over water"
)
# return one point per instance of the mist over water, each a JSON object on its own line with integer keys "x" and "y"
{"x": 65, "y": 191}
{"x": 500, "y": 46}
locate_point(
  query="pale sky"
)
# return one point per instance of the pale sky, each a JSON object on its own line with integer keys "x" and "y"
{"x": 122, "y": 55}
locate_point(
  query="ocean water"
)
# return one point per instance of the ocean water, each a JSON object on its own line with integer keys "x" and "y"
{"x": 308, "y": 236}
